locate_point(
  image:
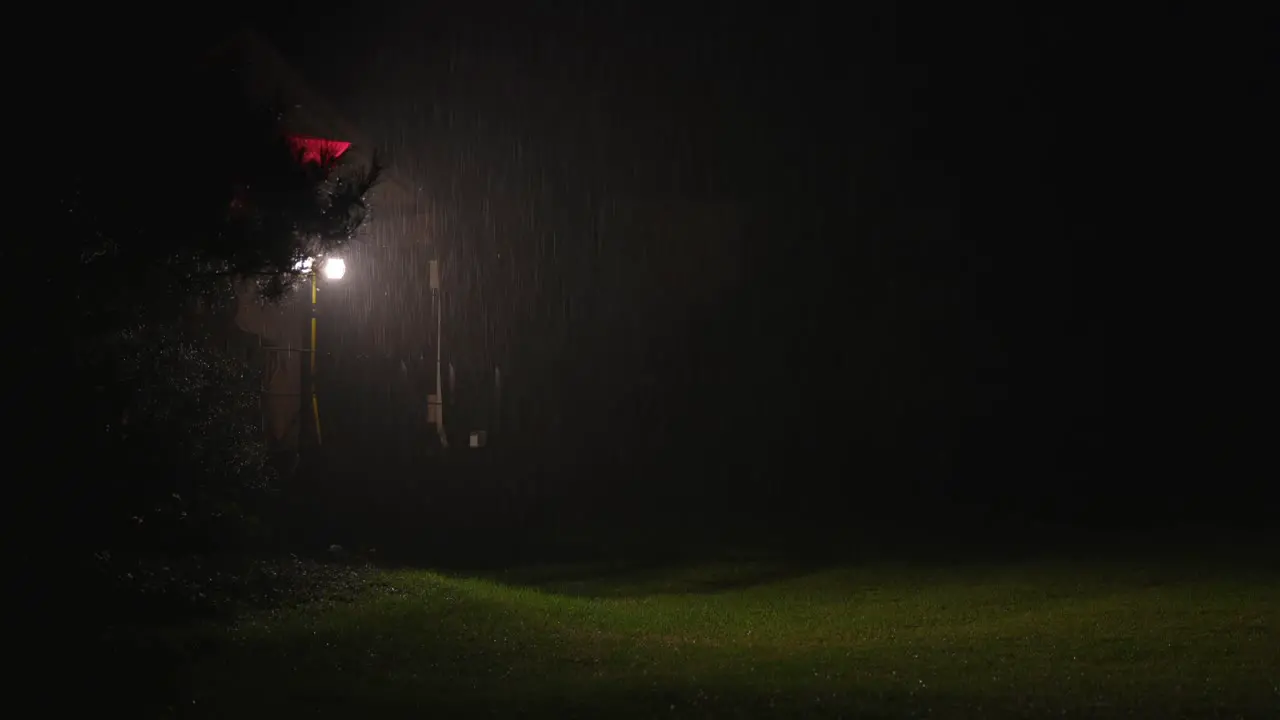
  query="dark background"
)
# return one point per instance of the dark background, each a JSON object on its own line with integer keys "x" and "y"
{"x": 925, "y": 256}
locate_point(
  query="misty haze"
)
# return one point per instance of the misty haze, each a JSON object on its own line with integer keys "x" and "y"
{"x": 618, "y": 359}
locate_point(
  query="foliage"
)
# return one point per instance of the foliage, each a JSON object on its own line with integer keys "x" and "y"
{"x": 148, "y": 589}
{"x": 224, "y": 192}
{"x": 183, "y": 419}
{"x": 183, "y": 185}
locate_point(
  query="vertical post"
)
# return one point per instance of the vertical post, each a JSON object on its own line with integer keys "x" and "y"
{"x": 315, "y": 403}
{"x": 496, "y": 423}
{"x": 313, "y": 324}
{"x": 435, "y": 403}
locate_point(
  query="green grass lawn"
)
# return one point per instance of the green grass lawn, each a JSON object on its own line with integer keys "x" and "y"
{"x": 744, "y": 640}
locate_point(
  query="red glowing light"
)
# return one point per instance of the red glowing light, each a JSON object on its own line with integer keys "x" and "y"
{"x": 317, "y": 150}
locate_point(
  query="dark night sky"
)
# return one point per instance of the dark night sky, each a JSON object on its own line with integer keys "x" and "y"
{"x": 906, "y": 272}
{"x": 889, "y": 220}
{"x": 909, "y": 277}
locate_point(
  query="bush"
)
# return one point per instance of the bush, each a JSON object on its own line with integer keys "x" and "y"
{"x": 147, "y": 435}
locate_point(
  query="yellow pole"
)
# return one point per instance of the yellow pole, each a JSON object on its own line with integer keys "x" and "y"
{"x": 315, "y": 403}
{"x": 315, "y": 410}
{"x": 313, "y": 328}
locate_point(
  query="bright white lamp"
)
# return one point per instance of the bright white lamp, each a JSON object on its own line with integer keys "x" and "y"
{"x": 335, "y": 268}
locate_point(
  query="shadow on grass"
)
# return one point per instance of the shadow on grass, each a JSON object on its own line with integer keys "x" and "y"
{"x": 618, "y": 580}
{"x": 677, "y": 697}
{"x": 682, "y": 698}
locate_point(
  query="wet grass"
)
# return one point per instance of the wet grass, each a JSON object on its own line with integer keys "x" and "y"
{"x": 749, "y": 640}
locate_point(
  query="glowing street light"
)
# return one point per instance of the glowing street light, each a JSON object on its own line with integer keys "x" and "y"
{"x": 335, "y": 268}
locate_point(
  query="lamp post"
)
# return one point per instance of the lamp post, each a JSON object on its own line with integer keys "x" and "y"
{"x": 333, "y": 269}
{"x": 435, "y": 401}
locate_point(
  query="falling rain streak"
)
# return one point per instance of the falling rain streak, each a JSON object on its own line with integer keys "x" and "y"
{"x": 569, "y": 246}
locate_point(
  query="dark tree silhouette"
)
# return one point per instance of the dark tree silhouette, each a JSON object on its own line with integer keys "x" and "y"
{"x": 199, "y": 182}
{"x": 180, "y": 184}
